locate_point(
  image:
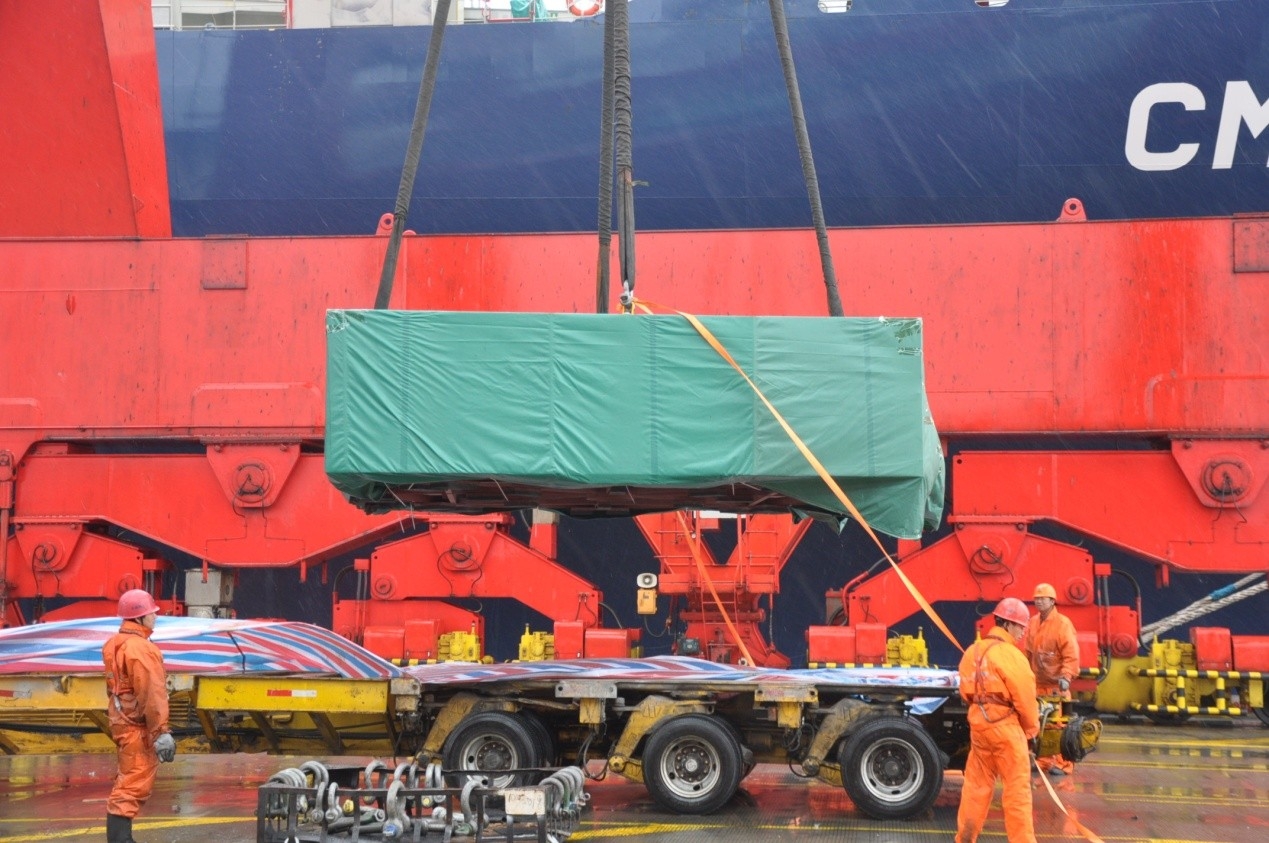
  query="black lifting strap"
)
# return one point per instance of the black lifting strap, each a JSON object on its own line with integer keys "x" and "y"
{"x": 804, "y": 153}
{"x": 615, "y": 132}
{"x": 411, "y": 167}
{"x": 602, "y": 270}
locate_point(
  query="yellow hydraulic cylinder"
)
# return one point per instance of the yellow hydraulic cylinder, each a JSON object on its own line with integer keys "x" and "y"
{"x": 459, "y": 647}
{"x": 908, "y": 651}
{"x": 536, "y": 646}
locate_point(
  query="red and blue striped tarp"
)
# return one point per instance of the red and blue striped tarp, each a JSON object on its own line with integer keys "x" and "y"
{"x": 680, "y": 669}
{"x": 928, "y": 688}
{"x": 195, "y": 646}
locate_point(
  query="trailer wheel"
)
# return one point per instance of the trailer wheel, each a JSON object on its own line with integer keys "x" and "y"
{"x": 1262, "y": 714}
{"x": 747, "y": 762}
{"x": 891, "y": 768}
{"x": 543, "y": 743}
{"x": 491, "y": 741}
{"x": 1167, "y": 718}
{"x": 692, "y": 764}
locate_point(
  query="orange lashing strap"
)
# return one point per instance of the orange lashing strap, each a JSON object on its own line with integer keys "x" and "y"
{"x": 1086, "y": 833}
{"x": 694, "y": 545}
{"x": 709, "y": 337}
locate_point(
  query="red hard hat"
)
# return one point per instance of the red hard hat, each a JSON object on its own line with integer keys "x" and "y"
{"x": 1013, "y": 610}
{"x": 1045, "y": 590}
{"x": 136, "y": 603}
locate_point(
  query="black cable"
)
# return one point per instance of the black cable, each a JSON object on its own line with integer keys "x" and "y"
{"x": 411, "y": 167}
{"x": 664, "y": 632}
{"x": 615, "y": 619}
{"x": 605, "y": 171}
{"x": 339, "y": 576}
{"x": 623, "y": 116}
{"x": 781, "y": 27}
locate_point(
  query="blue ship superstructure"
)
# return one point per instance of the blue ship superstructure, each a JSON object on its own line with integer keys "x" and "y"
{"x": 919, "y": 111}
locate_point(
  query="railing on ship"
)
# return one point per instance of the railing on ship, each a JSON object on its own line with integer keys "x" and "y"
{"x": 325, "y": 14}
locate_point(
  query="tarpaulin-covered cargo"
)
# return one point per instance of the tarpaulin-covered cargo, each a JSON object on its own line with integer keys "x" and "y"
{"x": 617, "y": 415}
{"x": 194, "y": 645}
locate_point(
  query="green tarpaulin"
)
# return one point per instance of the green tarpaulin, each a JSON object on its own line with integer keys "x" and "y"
{"x": 616, "y": 415}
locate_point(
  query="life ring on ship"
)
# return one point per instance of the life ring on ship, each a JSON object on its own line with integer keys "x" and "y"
{"x": 585, "y": 8}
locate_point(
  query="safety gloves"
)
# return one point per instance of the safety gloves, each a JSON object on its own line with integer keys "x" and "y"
{"x": 1064, "y": 684}
{"x": 165, "y": 747}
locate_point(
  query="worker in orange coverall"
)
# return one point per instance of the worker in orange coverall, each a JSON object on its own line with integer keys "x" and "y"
{"x": 999, "y": 688}
{"x": 1055, "y": 658}
{"x": 136, "y": 685}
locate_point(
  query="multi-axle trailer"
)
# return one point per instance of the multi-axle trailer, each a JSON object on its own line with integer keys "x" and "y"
{"x": 691, "y": 730}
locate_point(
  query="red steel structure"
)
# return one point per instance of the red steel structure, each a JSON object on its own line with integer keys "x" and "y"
{"x": 173, "y": 389}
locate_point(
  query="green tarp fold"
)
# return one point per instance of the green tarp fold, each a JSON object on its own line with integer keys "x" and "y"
{"x": 616, "y": 415}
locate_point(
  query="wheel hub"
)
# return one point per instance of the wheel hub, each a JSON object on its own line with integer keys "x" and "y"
{"x": 692, "y": 764}
{"x": 892, "y": 769}
{"x": 493, "y": 756}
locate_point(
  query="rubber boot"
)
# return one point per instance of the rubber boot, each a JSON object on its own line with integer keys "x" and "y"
{"x": 118, "y": 829}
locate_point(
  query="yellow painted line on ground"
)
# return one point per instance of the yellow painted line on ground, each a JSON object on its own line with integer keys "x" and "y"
{"x": 638, "y": 829}
{"x": 624, "y": 830}
{"x": 1250, "y": 743}
{"x": 1160, "y": 798}
{"x": 141, "y": 826}
{"x": 611, "y": 830}
{"x": 1175, "y": 764}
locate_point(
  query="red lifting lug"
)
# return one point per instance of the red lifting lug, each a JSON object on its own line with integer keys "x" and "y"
{"x": 1223, "y": 472}
{"x": 252, "y": 476}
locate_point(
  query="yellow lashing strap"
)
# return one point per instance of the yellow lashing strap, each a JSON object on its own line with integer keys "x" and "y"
{"x": 709, "y": 337}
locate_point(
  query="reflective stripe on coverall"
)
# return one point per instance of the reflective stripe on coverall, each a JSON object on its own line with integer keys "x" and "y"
{"x": 997, "y": 683}
{"x": 136, "y": 684}
{"x": 1055, "y": 653}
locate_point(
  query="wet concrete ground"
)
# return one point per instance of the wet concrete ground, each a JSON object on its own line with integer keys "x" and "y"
{"x": 1176, "y": 784}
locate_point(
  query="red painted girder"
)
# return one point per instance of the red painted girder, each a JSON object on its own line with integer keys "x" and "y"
{"x": 764, "y": 544}
{"x": 1140, "y": 501}
{"x": 190, "y": 339}
{"x": 981, "y": 563}
{"x": 975, "y": 563}
{"x": 718, "y": 644}
{"x": 351, "y": 618}
{"x": 180, "y": 501}
{"x": 64, "y": 560}
{"x": 1148, "y": 327}
{"x": 1118, "y": 629}
{"x": 475, "y": 556}
{"x": 1141, "y": 327}
{"x": 82, "y": 139}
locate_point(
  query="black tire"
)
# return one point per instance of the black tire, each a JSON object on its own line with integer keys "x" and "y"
{"x": 1262, "y": 715}
{"x": 747, "y": 762}
{"x": 1167, "y": 718}
{"x": 491, "y": 741}
{"x": 543, "y": 743}
{"x": 692, "y": 764}
{"x": 891, "y": 768}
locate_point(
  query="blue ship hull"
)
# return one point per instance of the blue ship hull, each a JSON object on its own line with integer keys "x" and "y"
{"x": 919, "y": 111}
